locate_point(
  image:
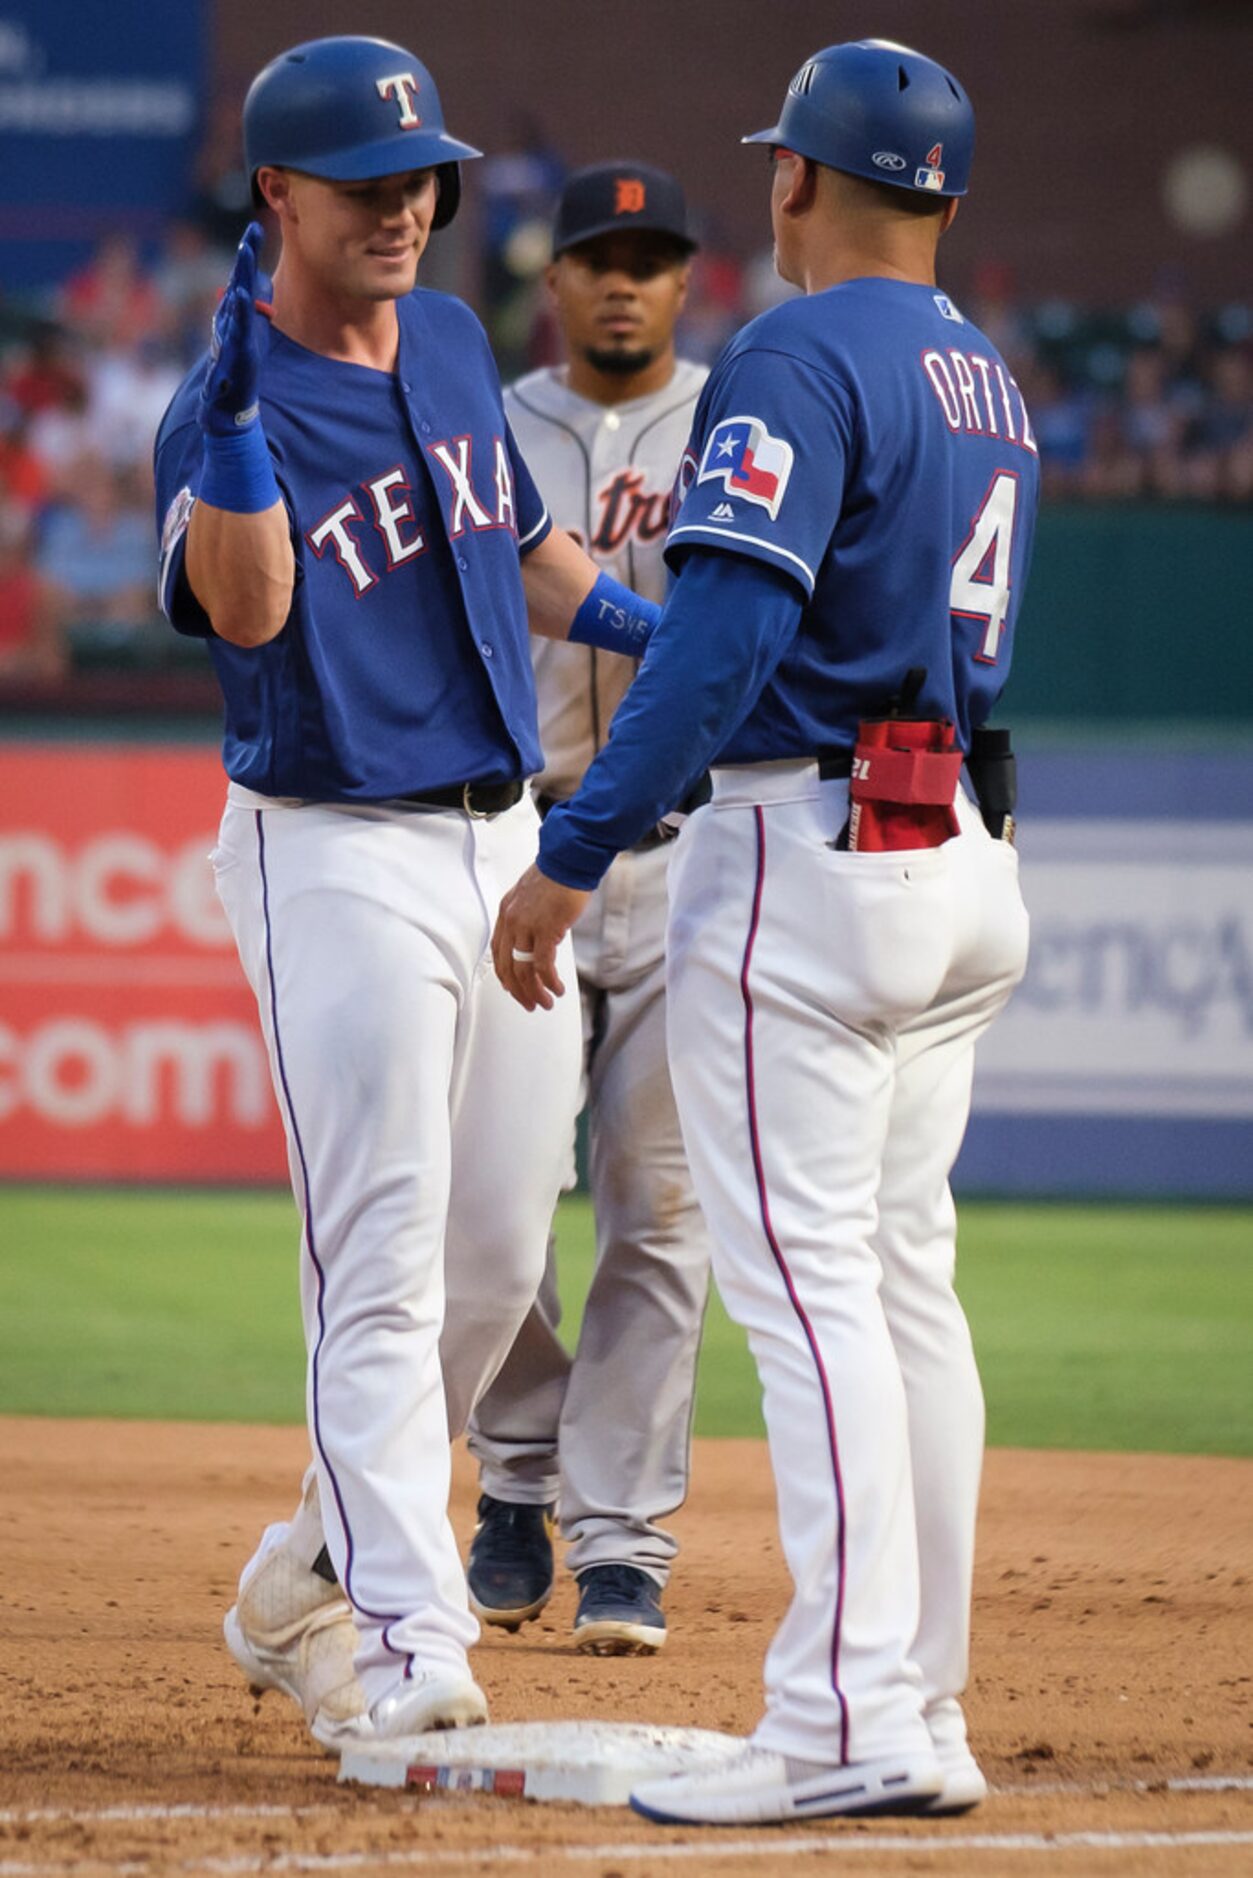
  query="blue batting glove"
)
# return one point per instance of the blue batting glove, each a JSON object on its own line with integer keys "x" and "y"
{"x": 228, "y": 396}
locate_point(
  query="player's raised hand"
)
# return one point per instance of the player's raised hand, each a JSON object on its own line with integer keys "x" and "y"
{"x": 228, "y": 397}
{"x": 535, "y": 916}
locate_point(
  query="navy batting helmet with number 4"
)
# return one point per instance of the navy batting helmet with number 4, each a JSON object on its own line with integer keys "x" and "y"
{"x": 879, "y": 110}
{"x": 349, "y": 109}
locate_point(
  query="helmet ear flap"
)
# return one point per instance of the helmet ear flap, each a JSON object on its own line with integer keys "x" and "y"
{"x": 448, "y": 182}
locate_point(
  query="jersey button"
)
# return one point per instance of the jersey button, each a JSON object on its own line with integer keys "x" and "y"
{"x": 612, "y": 420}
{"x": 425, "y": 429}
{"x": 489, "y": 650}
{"x": 405, "y": 385}
{"x": 462, "y": 563}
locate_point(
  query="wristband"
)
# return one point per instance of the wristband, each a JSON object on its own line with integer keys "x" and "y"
{"x": 238, "y": 472}
{"x": 615, "y": 618}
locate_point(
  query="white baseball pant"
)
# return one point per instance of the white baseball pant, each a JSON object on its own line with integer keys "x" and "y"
{"x": 427, "y": 1124}
{"x": 823, "y": 1012}
{"x": 608, "y": 1433}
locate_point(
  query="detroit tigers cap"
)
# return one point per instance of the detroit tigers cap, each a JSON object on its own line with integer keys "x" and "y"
{"x": 607, "y": 198}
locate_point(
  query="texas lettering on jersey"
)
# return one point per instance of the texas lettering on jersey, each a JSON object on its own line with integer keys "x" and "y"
{"x": 392, "y": 518}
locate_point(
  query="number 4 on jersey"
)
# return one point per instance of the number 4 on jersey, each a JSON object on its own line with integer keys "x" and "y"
{"x": 979, "y": 588}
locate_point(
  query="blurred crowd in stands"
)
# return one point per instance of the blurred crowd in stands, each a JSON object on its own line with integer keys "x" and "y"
{"x": 1151, "y": 403}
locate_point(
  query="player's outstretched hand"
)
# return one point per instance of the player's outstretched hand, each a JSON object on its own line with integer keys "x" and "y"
{"x": 535, "y": 916}
{"x": 228, "y": 396}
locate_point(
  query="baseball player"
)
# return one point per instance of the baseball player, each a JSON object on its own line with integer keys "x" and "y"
{"x": 607, "y": 1434}
{"x": 347, "y": 519}
{"x": 851, "y": 544}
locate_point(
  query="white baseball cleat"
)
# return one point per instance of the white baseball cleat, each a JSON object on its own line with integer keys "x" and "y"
{"x": 964, "y": 1785}
{"x": 759, "y": 1787}
{"x": 432, "y": 1699}
{"x": 291, "y": 1630}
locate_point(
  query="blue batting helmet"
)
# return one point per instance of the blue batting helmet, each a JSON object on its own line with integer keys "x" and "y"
{"x": 877, "y": 109}
{"x": 349, "y": 109}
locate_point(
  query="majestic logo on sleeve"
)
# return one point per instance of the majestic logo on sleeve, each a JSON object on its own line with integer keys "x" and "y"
{"x": 743, "y": 456}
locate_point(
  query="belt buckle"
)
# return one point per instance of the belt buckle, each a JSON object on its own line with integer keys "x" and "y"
{"x": 467, "y": 802}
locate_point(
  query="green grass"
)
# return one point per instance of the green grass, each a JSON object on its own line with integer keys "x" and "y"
{"x": 1096, "y": 1327}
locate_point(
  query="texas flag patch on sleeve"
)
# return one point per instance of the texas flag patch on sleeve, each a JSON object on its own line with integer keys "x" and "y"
{"x": 742, "y": 455}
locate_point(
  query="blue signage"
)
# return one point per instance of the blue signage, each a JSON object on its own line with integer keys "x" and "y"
{"x": 100, "y": 116}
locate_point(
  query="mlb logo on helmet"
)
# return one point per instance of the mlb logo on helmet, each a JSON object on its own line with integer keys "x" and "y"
{"x": 933, "y": 176}
{"x": 748, "y": 461}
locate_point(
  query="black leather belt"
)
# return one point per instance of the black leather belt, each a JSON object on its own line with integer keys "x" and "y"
{"x": 655, "y": 838}
{"x": 479, "y": 799}
{"x": 832, "y": 763}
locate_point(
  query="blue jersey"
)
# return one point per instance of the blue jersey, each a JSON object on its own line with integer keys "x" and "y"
{"x": 404, "y": 664}
{"x": 872, "y": 444}
{"x": 866, "y": 451}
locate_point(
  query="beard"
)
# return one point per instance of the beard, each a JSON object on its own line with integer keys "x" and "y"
{"x": 619, "y": 362}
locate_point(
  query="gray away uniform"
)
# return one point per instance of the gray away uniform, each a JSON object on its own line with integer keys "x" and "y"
{"x": 619, "y": 1412}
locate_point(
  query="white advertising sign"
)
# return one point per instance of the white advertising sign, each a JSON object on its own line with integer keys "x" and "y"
{"x": 1138, "y": 999}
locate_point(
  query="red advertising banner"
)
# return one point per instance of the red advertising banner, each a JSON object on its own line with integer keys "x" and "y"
{"x": 129, "y": 1043}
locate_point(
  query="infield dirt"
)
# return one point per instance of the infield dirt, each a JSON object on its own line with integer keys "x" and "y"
{"x": 1113, "y": 1661}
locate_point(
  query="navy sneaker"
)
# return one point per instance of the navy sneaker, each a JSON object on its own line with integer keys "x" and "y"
{"x": 510, "y": 1573}
{"x": 619, "y": 1612}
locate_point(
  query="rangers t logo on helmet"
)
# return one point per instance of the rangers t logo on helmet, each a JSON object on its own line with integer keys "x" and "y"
{"x": 403, "y": 86}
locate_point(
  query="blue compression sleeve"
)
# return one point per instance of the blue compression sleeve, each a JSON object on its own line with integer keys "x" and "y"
{"x": 727, "y": 623}
{"x": 615, "y": 619}
{"x": 238, "y": 472}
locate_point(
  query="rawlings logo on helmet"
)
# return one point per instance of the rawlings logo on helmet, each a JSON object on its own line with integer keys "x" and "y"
{"x": 888, "y": 160}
